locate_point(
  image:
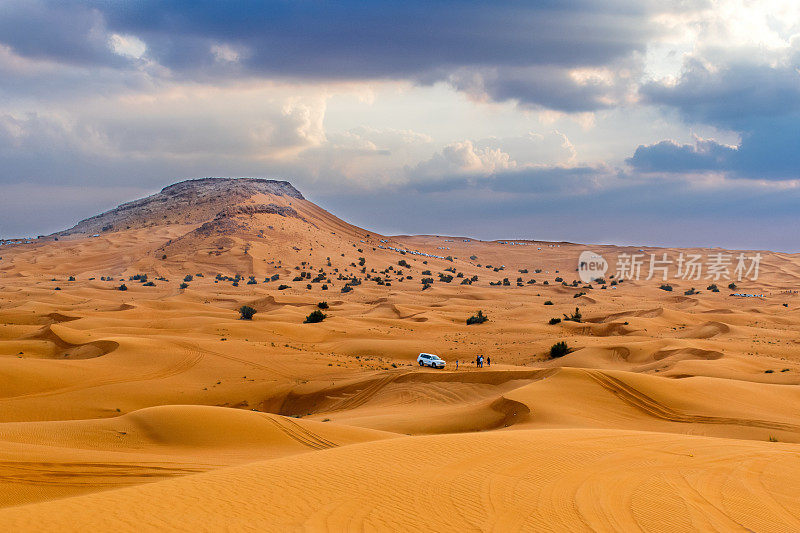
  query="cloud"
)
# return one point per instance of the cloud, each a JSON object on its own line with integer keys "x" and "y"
{"x": 758, "y": 99}
{"x": 536, "y": 53}
{"x": 669, "y": 156}
{"x": 464, "y": 158}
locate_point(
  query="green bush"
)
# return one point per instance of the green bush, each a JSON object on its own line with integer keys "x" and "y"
{"x": 315, "y": 316}
{"x": 480, "y": 318}
{"x": 574, "y": 317}
{"x": 246, "y": 312}
{"x": 559, "y": 349}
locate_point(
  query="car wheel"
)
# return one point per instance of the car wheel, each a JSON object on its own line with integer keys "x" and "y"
{"x": 421, "y": 363}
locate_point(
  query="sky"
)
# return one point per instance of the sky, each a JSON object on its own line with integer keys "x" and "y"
{"x": 643, "y": 122}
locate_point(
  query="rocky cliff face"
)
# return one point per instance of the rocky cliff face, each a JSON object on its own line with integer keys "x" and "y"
{"x": 187, "y": 202}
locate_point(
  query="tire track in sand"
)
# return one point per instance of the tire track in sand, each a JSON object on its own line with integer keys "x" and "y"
{"x": 653, "y": 407}
{"x": 300, "y": 434}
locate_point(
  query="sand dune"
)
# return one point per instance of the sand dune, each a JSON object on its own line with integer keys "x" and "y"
{"x": 157, "y": 408}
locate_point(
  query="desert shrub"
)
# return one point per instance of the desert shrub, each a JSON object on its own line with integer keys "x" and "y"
{"x": 523, "y": 270}
{"x": 282, "y": 287}
{"x": 347, "y": 288}
{"x": 188, "y": 278}
{"x": 713, "y": 288}
{"x": 548, "y": 302}
{"x": 663, "y": 287}
{"x": 691, "y": 292}
{"x": 426, "y": 281}
{"x": 297, "y": 278}
{"x": 473, "y": 257}
{"x": 315, "y": 316}
{"x": 732, "y": 286}
{"x": 57, "y": 289}
{"x": 579, "y": 294}
{"x": 559, "y": 349}
{"x": 447, "y": 278}
{"x": 361, "y": 261}
{"x": 449, "y": 258}
{"x": 554, "y": 321}
{"x": 122, "y": 287}
{"x": 403, "y": 263}
{"x": 613, "y": 282}
{"x": 559, "y": 279}
{"x": 480, "y": 318}
{"x": 426, "y": 272}
{"x": 252, "y": 280}
{"x": 574, "y": 317}
{"x": 184, "y": 285}
{"x": 322, "y": 305}
{"x": 71, "y": 278}
{"x": 545, "y": 282}
{"x": 149, "y": 284}
{"x": 246, "y": 312}
{"x": 324, "y": 287}
{"x": 426, "y": 286}
{"x": 506, "y": 283}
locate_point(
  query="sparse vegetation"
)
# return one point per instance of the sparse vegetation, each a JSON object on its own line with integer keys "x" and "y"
{"x": 574, "y": 317}
{"x": 480, "y": 318}
{"x": 184, "y": 285}
{"x": 559, "y": 349}
{"x": 548, "y": 302}
{"x": 315, "y": 316}
{"x": 246, "y": 312}
{"x": 122, "y": 287}
{"x": 554, "y": 321}
{"x": 664, "y": 287}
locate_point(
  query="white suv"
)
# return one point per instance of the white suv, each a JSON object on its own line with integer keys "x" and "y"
{"x": 428, "y": 359}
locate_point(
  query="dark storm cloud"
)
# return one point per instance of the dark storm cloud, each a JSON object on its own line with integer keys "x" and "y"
{"x": 510, "y": 51}
{"x": 57, "y": 31}
{"x": 760, "y": 102}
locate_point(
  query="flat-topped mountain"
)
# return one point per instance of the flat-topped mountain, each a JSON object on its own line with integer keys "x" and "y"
{"x": 186, "y": 202}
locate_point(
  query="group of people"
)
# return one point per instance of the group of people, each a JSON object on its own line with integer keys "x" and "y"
{"x": 479, "y": 362}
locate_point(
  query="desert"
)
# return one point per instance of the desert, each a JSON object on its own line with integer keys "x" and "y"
{"x": 380, "y": 266}
{"x": 158, "y": 407}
